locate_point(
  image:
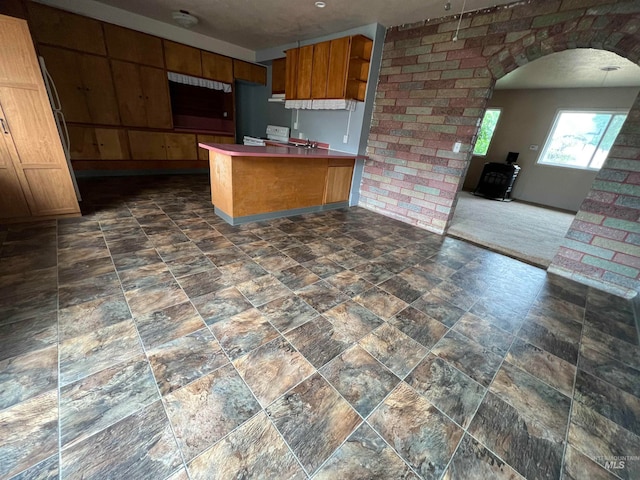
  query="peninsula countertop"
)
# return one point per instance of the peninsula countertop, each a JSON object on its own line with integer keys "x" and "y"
{"x": 275, "y": 151}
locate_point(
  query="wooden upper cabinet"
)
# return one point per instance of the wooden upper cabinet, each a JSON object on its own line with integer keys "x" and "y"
{"x": 182, "y": 58}
{"x": 249, "y": 72}
{"x": 143, "y": 95}
{"x": 278, "y": 75}
{"x": 155, "y": 88}
{"x": 291, "y": 74}
{"x": 57, "y": 27}
{"x": 217, "y": 67}
{"x": 137, "y": 47}
{"x": 338, "y": 65}
{"x": 305, "y": 66}
{"x": 320, "y": 72}
{"x": 99, "y": 92}
{"x": 84, "y": 84}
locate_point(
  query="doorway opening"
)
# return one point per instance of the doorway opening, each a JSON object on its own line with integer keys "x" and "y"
{"x": 549, "y": 189}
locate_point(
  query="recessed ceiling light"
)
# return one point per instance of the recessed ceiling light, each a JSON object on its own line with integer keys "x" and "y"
{"x": 610, "y": 68}
{"x": 320, "y": 4}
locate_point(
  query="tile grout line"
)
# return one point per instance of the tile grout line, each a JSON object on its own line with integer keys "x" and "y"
{"x": 150, "y": 370}
{"x": 58, "y": 351}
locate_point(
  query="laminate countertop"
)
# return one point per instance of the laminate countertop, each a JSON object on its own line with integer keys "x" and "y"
{"x": 275, "y": 151}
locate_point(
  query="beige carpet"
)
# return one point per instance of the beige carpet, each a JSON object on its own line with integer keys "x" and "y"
{"x": 526, "y": 232}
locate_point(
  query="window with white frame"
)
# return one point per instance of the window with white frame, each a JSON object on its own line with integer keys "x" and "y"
{"x": 582, "y": 139}
{"x": 487, "y": 129}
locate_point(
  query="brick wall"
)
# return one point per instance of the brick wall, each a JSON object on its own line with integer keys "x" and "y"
{"x": 433, "y": 91}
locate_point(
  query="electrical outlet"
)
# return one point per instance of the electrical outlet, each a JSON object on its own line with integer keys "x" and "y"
{"x": 456, "y": 147}
{"x": 295, "y": 125}
{"x": 301, "y": 135}
{"x": 225, "y": 114}
{"x": 533, "y": 147}
{"x": 345, "y": 139}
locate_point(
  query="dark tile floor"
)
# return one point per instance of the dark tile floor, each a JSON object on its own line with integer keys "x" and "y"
{"x": 150, "y": 340}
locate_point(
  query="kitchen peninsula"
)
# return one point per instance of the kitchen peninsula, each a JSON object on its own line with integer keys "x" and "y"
{"x": 252, "y": 183}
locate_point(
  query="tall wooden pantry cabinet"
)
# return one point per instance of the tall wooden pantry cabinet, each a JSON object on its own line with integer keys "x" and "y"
{"x": 34, "y": 176}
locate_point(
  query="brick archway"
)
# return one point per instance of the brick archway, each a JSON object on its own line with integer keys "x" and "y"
{"x": 433, "y": 91}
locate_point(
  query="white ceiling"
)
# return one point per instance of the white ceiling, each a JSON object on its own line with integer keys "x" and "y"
{"x": 259, "y": 24}
{"x": 579, "y": 68}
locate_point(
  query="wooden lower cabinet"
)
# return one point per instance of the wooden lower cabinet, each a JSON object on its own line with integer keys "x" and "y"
{"x": 162, "y": 146}
{"x": 338, "y": 184}
{"x": 89, "y": 143}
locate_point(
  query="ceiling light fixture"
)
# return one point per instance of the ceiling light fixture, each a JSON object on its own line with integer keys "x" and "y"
{"x": 184, "y": 19}
{"x": 320, "y": 4}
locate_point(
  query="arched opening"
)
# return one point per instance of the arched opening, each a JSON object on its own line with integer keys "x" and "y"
{"x": 561, "y": 114}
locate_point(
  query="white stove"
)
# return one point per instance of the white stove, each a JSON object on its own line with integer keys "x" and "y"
{"x": 275, "y": 133}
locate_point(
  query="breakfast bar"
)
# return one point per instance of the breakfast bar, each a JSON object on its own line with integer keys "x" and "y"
{"x": 252, "y": 183}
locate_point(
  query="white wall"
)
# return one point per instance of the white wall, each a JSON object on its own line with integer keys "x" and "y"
{"x": 526, "y": 119}
{"x": 117, "y": 16}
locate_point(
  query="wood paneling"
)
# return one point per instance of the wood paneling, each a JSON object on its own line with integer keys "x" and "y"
{"x": 22, "y": 70}
{"x": 137, "y": 47}
{"x": 291, "y": 79}
{"x": 338, "y": 184}
{"x": 320, "y": 69}
{"x": 305, "y": 66}
{"x": 278, "y": 75}
{"x": 203, "y": 153}
{"x": 57, "y": 27}
{"x": 338, "y": 61}
{"x": 182, "y": 59}
{"x": 217, "y": 67}
{"x": 249, "y": 72}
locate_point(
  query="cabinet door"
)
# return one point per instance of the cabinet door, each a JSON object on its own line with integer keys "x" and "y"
{"x": 64, "y": 67}
{"x": 249, "y": 72}
{"x": 111, "y": 143}
{"x": 131, "y": 101}
{"x": 181, "y": 146}
{"x": 12, "y": 201}
{"x": 137, "y": 47}
{"x": 338, "y": 184}
{"x": 182, "y": 59}
{"x": 16, "y": 69}
{"x": 57, "y": 27}
{"x": 217, "y": 67}
{"x": 291, "y": 80}
{"x": 38, "y": 156}
{"x": 147, "y": 145}
{"x": 305, "y": 66}
{"x": 320, "y": 72}
{"x": 99, "y": 92}
{"x": 338, "y": 62}
{"x": 278, "y": 75}
{"x": 203, "y": 153}
{"x": 155, "y": 88}
{"x": 82, "y": 143}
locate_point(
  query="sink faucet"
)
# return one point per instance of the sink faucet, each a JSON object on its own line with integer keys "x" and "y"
{"x": 310, "y": 144}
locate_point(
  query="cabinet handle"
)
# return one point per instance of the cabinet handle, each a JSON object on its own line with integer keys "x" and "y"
{"x": 4, "y": 126}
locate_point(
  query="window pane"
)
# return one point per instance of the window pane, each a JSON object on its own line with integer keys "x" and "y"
{"x": 607, "y": 141}
{"x": 575, "y": 138}
{"x": 487, "y": 127}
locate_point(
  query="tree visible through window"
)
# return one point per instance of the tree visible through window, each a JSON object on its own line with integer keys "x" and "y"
{"x": 581, "y": 139}
{"x": 487, "y": 127}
